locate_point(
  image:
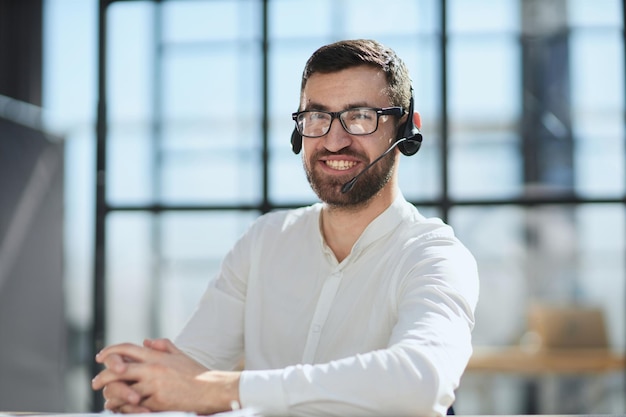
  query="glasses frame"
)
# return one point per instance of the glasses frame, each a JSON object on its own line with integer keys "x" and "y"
{"x": 380, "y": 111}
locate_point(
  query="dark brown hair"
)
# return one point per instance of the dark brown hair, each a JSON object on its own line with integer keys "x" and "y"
{"x": 352, "y": 53}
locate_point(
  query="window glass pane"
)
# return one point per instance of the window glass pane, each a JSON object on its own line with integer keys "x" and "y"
{"x": 485, "y": 164}
{"x": 597, "y": 68}
{"x": 129, "y": 277}
{"x": 607, "y": 13}
{"x": 601, "y": 264}
{"x": 287, "y": 61}
{"x": 212, "y": 83}
{"x": 484, "y": 107}
{"x": 293, "y": 19}
{"x": 203, "y": 144}
{"x": 483, "y": 15}
{"x": 79, "y": 206}
{"x": 208, "y": 176}
{"x": 429, "y": 211}
{"x": 130, "y": 153}
{"x": 215, "y": 20}
{"x": 129, "y": 102}
{"x": 599, "y": 160}
{"x": 286, "y": 175}
{"x": 130, "y": 55}
{"x": 211, "y": 126}
{"x": 480, "y": 92}
{"x": 405, "y": 18}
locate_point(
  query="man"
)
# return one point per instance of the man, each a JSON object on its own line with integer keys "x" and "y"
{"x": 357, "y": 305}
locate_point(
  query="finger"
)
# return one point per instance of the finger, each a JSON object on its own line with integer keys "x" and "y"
{"x": 128, "y": 351}
{"x": 103, "y": 355}
{"x": 118, "y": 394}
{"x": 115, "y": 362}
{"x": 101, "y": 380}
{"x": 134, "y": 372}
{"x": 164, "y": 345}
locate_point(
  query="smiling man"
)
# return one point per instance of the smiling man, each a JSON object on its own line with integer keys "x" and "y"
{"x": 357, "y": 305}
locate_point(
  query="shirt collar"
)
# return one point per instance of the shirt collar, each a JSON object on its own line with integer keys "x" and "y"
{"x": 384, "y": 224}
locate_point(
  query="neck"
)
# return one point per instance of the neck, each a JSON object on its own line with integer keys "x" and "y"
{"x": 342, "y": 226}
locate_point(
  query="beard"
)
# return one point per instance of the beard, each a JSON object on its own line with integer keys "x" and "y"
{"x": 328, "y": 189}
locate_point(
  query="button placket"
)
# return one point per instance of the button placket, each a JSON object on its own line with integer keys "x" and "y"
{"x": 324, "y": 304}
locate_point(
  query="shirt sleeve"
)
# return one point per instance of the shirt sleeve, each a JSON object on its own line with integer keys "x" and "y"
{"x": 416, "y": 374}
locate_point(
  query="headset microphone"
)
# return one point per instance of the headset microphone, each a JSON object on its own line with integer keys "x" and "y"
{"x": 348, "y": 186}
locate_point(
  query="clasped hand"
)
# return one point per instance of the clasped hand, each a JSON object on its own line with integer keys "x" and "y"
{"x": 159, "y": 377}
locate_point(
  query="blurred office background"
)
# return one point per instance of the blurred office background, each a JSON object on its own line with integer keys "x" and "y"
{"x": 523, "y": 109}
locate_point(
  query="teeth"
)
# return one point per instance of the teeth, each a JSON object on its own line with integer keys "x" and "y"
{"x": 340, "y": 165}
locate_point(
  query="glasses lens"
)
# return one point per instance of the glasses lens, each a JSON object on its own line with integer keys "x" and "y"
{"x": 361, "y": 121}
{"x": 313, "y": 123}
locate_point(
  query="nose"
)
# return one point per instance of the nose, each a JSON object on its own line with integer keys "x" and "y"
{"x": 337, "y": 138}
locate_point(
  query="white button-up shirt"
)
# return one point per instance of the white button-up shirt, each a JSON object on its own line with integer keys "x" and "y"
{"x": 387, "y": 331}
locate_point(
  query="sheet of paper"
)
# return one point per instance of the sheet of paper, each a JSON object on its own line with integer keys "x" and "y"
{"x": 244, "y": 412}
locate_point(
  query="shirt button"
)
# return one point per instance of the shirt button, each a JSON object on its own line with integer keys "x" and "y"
{"x": 317, "y": 328}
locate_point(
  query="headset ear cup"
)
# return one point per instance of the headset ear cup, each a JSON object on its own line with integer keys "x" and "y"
{"x": 412, "y": 143}
{"x": 296, "y": 142}
{"x": 409, "y": 131}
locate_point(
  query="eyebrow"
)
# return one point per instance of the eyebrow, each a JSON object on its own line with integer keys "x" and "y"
{"x": 312, "y": 106}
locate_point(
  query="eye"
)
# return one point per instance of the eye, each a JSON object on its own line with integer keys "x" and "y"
{"x": 361, "y": 114}
{"x": 315, "y": 116}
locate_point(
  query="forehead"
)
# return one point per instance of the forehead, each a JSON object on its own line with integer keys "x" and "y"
{"x": 361, "y": 85}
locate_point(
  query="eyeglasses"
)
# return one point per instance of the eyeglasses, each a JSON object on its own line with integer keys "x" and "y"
{"x": 355, "y": 121}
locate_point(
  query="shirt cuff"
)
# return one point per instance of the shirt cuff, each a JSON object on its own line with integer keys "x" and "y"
{"x": 263, "y": 391}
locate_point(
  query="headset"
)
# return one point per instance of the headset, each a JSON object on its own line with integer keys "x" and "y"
{"x": 407, "y": 132}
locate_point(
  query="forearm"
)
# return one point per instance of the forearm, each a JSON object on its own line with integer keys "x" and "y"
{"x": 396, "y": 381}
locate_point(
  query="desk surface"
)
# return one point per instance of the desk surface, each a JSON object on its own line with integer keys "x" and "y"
{"x": 544, "y": 361}
{"x": 236, "y": 414}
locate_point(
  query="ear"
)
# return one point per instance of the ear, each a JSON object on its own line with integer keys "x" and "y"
{"x": 417, "y": 120}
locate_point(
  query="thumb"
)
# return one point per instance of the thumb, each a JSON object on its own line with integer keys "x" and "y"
{"x": 162, "y": 345}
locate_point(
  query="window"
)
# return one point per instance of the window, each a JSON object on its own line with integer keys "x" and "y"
{"x": 523, "y": 150}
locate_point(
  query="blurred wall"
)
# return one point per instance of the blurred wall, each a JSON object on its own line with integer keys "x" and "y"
{"x": 32, "y": 317}
{"x": 32, "y": 322}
